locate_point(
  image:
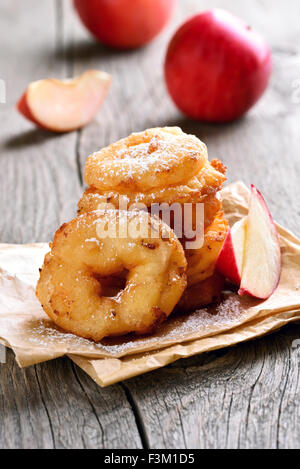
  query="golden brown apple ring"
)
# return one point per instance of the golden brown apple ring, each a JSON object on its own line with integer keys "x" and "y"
{"x": 197, "y": 190}
{"x": 143, "y": 161}
{"x": 92, "y": 200}
{"x": 212, "y": 206}
{"x": 70, "y": 286}
{"x": 202, "y": 294}
{"x": 201, "y": 262}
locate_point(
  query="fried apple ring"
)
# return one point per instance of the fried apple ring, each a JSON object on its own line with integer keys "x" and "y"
{"x": 196, "y": 190}
{"x": 92, "y": 200}
{"x": 201, "y": 262}
{"x": 147, "y": 160}
{"x": 71, "y": 289}
{"x": 212, "y": 207}
{"x": 202, "y": 294}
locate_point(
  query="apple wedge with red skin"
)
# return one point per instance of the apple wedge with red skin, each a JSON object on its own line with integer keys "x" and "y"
{"x": 231, "y": 257}
{"x": 262, "y": 255}
{"x": 65, "y": 105}
{"x": 251, "y": 256}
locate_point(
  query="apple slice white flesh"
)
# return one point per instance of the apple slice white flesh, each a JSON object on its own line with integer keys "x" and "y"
{"x": 262, "y": 257}
{"x": 230, "y": 260}
{"x": 65, "y": 105}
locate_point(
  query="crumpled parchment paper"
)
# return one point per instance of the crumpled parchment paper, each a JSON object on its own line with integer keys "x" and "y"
{"x": 26, "y": 329}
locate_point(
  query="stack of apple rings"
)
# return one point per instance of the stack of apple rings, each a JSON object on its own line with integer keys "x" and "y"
{"x": 159, "y": 167}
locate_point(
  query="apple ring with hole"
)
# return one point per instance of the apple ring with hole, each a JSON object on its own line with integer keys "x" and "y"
{"x": 205, "y": 284}
{"x": 149, "y": 261}
{"x": 143, "y": 161}
{"x": 202, "y": 294}
{"x": 202, "y": 262}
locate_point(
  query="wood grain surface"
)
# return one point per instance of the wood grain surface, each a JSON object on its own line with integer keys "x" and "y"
{"x": 243, "y": 397}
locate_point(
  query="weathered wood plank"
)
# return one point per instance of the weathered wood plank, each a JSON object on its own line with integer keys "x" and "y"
{"x": 39, "y": 184}
{"x": 48, "y": 405}
{"x": 55, "y": 405}
{"x": 24, "y": 420}
{"x": 243, "y": 397}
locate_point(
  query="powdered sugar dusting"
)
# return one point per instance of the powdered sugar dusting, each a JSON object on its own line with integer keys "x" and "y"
{"x": 177, "y": 329}
{"x": 141, "y": 159}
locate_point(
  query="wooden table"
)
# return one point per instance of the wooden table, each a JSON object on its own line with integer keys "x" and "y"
{"x": 243, "y": 397}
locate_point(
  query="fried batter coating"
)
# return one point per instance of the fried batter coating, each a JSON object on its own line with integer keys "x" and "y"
{"x": 219, "y": 166}
{"x": 92, "y": 200}
{"x": 202, "y": 294}
{"x": 83, "y": 267}
{"x": 212, "y": 207}
{"x": 201, "y": 262}
{"x": 204, "y": 284}
{"x": 147, "y": 160}
{"x": 195, "y": 190}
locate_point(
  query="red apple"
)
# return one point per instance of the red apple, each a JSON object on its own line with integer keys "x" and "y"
{"x": 125, "y": 24}
{"x": 262, "y": 256}
{"x": 231, "y": 257}
{"x": 65, "y": 105}
{"x": 217, "y": 67}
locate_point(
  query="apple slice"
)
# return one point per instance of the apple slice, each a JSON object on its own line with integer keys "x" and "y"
{"x": 65, "y": 105}
{"x": 230, "y": 260}
{"x": 262, "y": 257}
